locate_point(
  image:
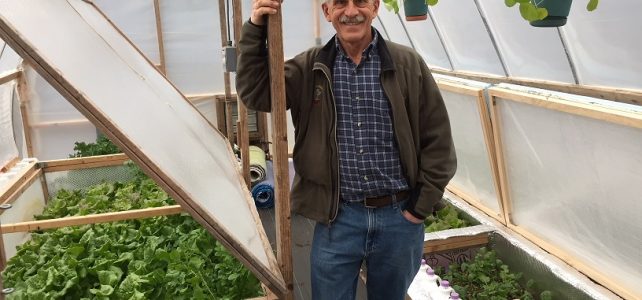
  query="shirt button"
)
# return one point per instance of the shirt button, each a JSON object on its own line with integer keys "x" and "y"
{"x": 359, "y": 124}
{"x": 365, "y": 178}
{"x": 357, "y": 98}
{"x": 360, "y": 150}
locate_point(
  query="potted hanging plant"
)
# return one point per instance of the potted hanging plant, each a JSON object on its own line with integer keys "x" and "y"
{"x": 546, "y": 13}
{"x": 540, "y": 13}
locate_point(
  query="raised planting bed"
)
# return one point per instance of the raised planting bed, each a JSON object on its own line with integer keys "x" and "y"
{"x": 165, "y": 257}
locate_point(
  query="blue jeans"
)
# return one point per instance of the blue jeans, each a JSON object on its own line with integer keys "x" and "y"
{"x": 390, "y": 245}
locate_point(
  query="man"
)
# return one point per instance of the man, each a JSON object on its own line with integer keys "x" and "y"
{"x": 373, "y": 149}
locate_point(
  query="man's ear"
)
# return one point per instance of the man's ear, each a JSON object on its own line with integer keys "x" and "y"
{"x": 326, "y": 11}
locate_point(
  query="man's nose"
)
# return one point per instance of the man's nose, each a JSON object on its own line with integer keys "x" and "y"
{"x": 351, "y": 9}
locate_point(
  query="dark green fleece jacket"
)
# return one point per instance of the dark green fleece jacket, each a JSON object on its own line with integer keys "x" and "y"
{"x": 420, "y": 121}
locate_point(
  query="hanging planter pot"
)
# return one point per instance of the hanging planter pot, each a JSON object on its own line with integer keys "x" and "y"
{"x": 415, "y": 10}
{"x": 557, "y": 12}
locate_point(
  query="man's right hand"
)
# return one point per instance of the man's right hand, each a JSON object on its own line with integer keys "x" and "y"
{"x": 260, "y": 8}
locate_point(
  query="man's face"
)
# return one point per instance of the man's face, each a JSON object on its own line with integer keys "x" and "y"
{"x": 351, "y": 18}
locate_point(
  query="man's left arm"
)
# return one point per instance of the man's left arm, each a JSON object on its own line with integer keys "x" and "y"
{"x": 438, "y": 162}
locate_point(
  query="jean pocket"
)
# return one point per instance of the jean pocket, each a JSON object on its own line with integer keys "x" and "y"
{"x": 399, "y": 209}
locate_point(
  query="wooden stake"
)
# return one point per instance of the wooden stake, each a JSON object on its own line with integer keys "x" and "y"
{"x": 243, "y": 138}
{"x": 23, "y": 98}
{"x": 83, "y": 162}
{"x": 280, "y": 156}
{"x": 92, "y": 219}
{"x": 159, "y": 34}
{"x": 226, "y": 75}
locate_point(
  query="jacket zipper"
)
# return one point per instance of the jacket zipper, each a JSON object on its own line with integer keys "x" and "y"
{"x": 336, "y": 144}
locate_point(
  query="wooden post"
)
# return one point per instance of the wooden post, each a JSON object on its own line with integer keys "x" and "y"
{"x": 23, "y": 97}
{"x": 226, "y": 75}
{"x": 243, "y": 138}
{"x": 280, "y": 155}
{"x": 159, "y": 34}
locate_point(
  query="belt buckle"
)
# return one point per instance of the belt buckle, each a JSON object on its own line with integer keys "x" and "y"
{"x": 365, "y": 204}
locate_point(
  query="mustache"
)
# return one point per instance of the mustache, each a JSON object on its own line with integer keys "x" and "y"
{"x": 357, "y": 19}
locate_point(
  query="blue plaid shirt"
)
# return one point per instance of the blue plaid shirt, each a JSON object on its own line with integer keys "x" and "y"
{"x": 369, "y": 163}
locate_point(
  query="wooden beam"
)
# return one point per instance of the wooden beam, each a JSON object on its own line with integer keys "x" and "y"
{"x": 159, "y": 34}
{"x": 23, "y": 98}
{"x": 9, "y": 164}
{"x": 280, "y": 155}
{"x": 9, "y": 76}
{"x": 92, "y": 219}
{"x": 242, "y": 129}
{"x": 226, "y": 75}
{"x": 18, "y": 189}
{"x": 495, "y": 117}
{"x": 455, "y": 242}
{"x": 474, "y": 201}
{"x": 18, "y": 182}
{"x": 61, "y": 123}
{"x": 83, "y": 162}
{"x": 626, "y": 118}
{"x": 630, "y": 96}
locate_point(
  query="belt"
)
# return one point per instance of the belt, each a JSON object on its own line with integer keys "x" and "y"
{"x": 381, "y": 201}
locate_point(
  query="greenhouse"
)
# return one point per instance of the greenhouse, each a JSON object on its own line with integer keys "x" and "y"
{"x": 130, "y": 168}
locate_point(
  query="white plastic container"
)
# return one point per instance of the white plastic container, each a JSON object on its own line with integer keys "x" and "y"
{"x": 442, "y": 292}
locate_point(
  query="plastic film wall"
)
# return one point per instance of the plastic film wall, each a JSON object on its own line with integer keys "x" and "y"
{"x": 475, "y": 175}
{"x": 31, "y": 202}
{"x": 54, "y": 124}
{"x": 8, "y": 149}
{"x": 574, "y": 182}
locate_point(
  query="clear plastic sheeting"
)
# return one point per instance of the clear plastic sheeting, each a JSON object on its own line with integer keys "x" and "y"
{"x": 8, "y": 149}
{"x": 137, "y": 20}
{"x": 393, "y": 26}
{"x": 54, "y": 123}
{"x": 527, "y": 51}
{"x": 193, "y": 50}
{"x": 574, "y": 181}
{"x": 474, "y": 174}
{"x": 426, "y": 41}
{"x": 9, "y": 59}
{"x": 18, "y": 127}
{"x": 523, "y": 256}
{"x": 118, "y": 88}
{"x": 465, "y": 37}
{"x": 605, "y": 45}
{"x": 30, "y": 203}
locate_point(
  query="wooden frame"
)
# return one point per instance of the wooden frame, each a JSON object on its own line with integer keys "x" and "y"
{"x": 487, "y": 130}
{"x": 455, "y": 242}
{"x": 599, "y": 113}
{"x": 83, "y": 162}
{"x": 268, "y": 274}
{"x": 162, "y": 66}
{"x": 19, "y": 183}
{"x": 9, "y": 76}
{"x": 23, "y": 99}
{"x": 630, "y": 96}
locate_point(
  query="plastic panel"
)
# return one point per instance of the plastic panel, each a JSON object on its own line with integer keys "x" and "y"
{"x": 426, "y": 41}
{"x": 45, "y": 104}
{"x": 605, "y": 43}
{"x": 196, "y": 161}
{"x": 528, "y": 52}
{"x": 137, "y": 20}
{"x": 30, "y": 203}
{"x": 9, "y": 59}
{"x": 18, "y": 128}
{"x": 192, "y": 40}
{"x": 8, "y": 150}
{"x": 57, "y": 142}
{"x": 474, "y": 175}
{"x": 465, "y": 37}
{"x": 396, "y": 32}
{"x": 575, "y": 182}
